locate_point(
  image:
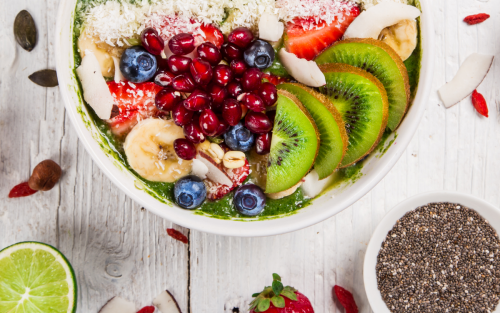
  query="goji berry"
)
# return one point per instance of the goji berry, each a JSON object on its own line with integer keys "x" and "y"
{"x": 147, "y": 309}
{"x": 21, "y": 190}
{"x": 346, "y": 299}
{"x": 476, "y": 19}
{"x": 479, "y": 103}
{"x": 177, "y": 235}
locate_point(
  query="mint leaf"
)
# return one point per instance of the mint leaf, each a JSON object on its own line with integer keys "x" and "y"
{"x": 277, "y": 287}
{"x": 276, "y": 277}
{"x": 289, "y": 294}
{"x": 263, "y": 305}
{"x": 278, "y": 301}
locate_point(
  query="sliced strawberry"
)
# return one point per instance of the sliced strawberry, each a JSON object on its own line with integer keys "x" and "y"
{"x": 135, "y": 102}
{"x": 216, "y": 191}
{"x": 308, "y": 37}
{"x": 275, "y": 80}
{"x": 213, "y": 34}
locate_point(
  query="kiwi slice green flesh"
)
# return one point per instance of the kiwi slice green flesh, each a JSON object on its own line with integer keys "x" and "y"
{"x": 294, "y": 144}
{"x": 332, "y": 133}
{"x": 383, "y": 62}
{"x": 362, "y": 101}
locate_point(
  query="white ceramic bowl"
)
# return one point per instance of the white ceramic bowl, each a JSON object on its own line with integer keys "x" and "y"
{"x": 485, "y": 209}
{"x": 322, "y": 208}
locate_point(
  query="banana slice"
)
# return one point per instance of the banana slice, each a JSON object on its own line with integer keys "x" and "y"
{"x": 106, "y": 62}
{"x": 150, "y": 151}
{"x": 401, "y": 37}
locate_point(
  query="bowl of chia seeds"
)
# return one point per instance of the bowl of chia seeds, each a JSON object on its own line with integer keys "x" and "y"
{"x": 435, "y": 252}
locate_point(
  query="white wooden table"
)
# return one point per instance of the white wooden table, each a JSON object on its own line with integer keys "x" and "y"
{"x": 118, "y": 248}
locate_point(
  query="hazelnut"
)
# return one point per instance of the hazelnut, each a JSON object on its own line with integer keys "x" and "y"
{"x": 45, "y": 176}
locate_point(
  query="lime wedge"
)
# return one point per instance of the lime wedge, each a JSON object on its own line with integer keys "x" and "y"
{"x": 36, "y": 278}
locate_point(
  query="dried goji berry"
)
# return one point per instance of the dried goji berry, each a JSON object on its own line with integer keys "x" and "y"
{"x": 346, "y": 299}
{"x": 21, "y": 190}
{"x": 479, "y": 103}
{"x": 177, "y": 235}
{"x": 476, "y": 19}
{"x": 147, "y": 309}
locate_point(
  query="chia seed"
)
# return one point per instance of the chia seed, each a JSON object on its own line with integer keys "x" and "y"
{"x": 441, "y": 257}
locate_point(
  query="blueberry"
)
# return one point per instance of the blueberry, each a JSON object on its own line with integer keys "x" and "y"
{"x": 138, "y": 65}
{"x": 249, "y": 200}
{"x": 260, "y": 54}
{"x": 190, "y": 192}
{"x": 239, "y": 138}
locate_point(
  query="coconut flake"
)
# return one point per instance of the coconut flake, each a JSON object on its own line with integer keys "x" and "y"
{"x": 118, "y": 73}
{"x": 166, "y": 303}
{"x": 470, "y": 75}
{"x": 118, "y": 305}
{"x": 312, "y": 186}
{"x": 270, "y": 28}
{"x": 305, "y": 72}
{"x": 215, "y": 172}
{"x": 199, "y": 169}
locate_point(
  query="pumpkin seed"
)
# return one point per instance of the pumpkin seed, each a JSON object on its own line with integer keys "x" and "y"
{"x": 45, "y": 78}
{"x": 25, "y": 30}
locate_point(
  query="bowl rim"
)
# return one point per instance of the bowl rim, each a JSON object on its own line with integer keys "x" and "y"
{"x": 484, "y": 208}
{"x": 300, "y": 219}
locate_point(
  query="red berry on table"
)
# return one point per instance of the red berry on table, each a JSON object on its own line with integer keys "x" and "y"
{"x": 184, "y": 149}
{"x": 179, "y": 64}
{"x": 210, "y": 53}
{"x": 234, "y": 88}
{"x": 164, "y": 78}
{"x": 209, "y": 123}
{"x": 167, "y": 99}
{"x": 218, "y": 94}
{"x": 181, "y": 115}
{"x": 240, "y": 37}
{"x": 251, "y": 79}
{"x": 223, "y": 125}
{"x": 263, "y": 143}
{"x": 258, "y": 122}
{"x": 238, "y": 67}
{"x": 184, "y": 82}
{"x": 268, "y": 93}
{"x": 193, "y": 132}
{"x": 21, "y": 190}
{"x": 280, "y": 299}
{"x": 201, "y": 71}
{"x": 151, "y": 41}
{"x": 346, "y": 299}
{"x": 231, "y": 52}
{"x": 253, "y": 102}
{"x": 479, "y": 103}
{"x": 222, "y": 74}
{"x": 181, "y": 44}
{"x": 231, "y": 111}
{"x": 197, "y": 101}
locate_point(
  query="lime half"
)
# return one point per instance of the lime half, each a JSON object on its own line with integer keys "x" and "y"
{"x": 36, "y": 278}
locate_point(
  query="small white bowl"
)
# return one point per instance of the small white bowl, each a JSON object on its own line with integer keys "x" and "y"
{"x": 485, "y": 209}
{"x": 333, "y": 202}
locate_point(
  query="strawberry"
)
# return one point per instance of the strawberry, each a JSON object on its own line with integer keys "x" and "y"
{"x": 216, "y": 191}
{"x": 279, "y": 299}
{"x": 147, "y": 309}
{"x": 213, "y": 34}
{"x": 307, "y": 37}
{"x": 135, "y": 102}
{"x": 346, "y": 299}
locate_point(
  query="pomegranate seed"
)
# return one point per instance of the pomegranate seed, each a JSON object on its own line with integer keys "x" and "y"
{"x": 197, "y": 101}
{"x": 201, "y": 71}
{"x": 218, "y": 94}
{"x": 209, "y": 123}
{"x": 258, "y": 122}
{"x": 183, "y": 82}
{"x": 268, "y": 93}
{"x": 179, "y": 64}
{"x": 271, "y": 115}
{"x": 181, "y": 44}
{"x": 231, "y": 111}
{"x": 251, "y": 79}
{"x": 263, "y": 144}
{"x": 151, "y": 41}
{"x": 193, "y": 132}
{"x": 167, "y": 99}
{"x": 238, "y": 67}
{"x": 223, "y": 126}
{"x": 164, "y": 78}
{"x": 253, "y": 102}
{"x": 241, "y": 37}
{"x": 231, "y": 52}
{"x": 234, "y": 89}
{"x": 181, "y": 115}
{"x": 210, "y": 53}
{"x": 184, "y": 149}
{"x": 222, "y": 74}
{"x": 162, "y": 63}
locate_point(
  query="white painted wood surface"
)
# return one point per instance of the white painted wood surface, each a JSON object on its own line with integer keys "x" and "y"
{"x": 117, "y": 248}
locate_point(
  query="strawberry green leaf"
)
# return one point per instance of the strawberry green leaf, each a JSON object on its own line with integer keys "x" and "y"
{"x": 278, "y": 301}
{"x": 277, "y": 287}
{"x": 289, "y": 294}
{"x": 263, "y": 305}
{"x": 276, "y": 277}
{"x": 255, "y": 294}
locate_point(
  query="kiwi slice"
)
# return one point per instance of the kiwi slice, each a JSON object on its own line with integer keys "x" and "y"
{"x": 362, "y": 102}
{"x": 294, "y": 145}
{"x": 381, "y": 61}
{"x": 332, "y": 133}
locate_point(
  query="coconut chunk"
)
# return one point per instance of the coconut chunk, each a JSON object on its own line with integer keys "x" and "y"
{"x": 199, "y": 169}
{"x": 470, "y": 75}
{"x": 118, "y": 305}
{"x": 166, "y": 303}
{"x": 118, "y": 74}
{"x": 95, "y": 89}
{"x": 370, "y": 23}
{"x": 305, "y": 72}
{"x": 312, "y": 186}
{"x": 215, "y": 172}
{"x": 270, "y": 27}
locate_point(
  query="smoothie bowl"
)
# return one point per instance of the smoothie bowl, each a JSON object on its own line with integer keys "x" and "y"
{"x": 245, "y": 118}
